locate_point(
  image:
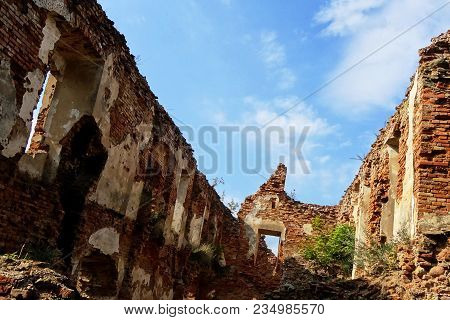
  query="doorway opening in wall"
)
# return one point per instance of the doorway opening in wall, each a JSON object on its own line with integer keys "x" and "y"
{"x": 273, "y": 242}
{"x": 97, "y": 276}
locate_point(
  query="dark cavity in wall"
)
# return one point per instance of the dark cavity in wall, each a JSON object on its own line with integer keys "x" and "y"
{"x": 98, "y": 276}
{"x": 82, "y": 160}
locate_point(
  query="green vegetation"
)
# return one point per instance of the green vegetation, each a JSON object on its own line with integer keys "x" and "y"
{"x": 204, "y": 254}
{"x": 330, "y": 249}
{"x": 209, "y": 255}
{"x": 156, "y": 227}
{"x": 333, "y": 249}
{"x": 38, "y": 251}
{"x": 377, "y": 258}
{"x": 41, "y": 251}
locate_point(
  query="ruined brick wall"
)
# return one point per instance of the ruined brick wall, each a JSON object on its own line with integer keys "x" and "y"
{"x": 402, "y": 187}
{"x": 110, "y": 181}
{"x": 271, "y": 209}
{"x": 26, "y": 205}
{"x": 416, "y": 178}
{"x": 23, "y": 204}
{"x": 108, "y": 178}
{"x": 378, "y": 186}
{"x": 432, "y": 143}
{"x": 243, "y": 277}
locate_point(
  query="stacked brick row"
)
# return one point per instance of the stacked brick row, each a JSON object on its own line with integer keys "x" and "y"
{"x": 433, "y": 132}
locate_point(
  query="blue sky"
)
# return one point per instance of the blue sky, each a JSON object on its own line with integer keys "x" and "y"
{"x": 241, "y": 63}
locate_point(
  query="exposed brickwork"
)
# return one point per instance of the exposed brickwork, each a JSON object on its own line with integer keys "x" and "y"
{"x": 21, "y": 36}
{"x": 292, "y": 218}
{"x": 27, "y": 213}
{"x": 112, "y": 183}
{"x": 420, "y": 208}
{"x": 270, "y": 211}
{"x": 147, "y": 207}
{"x": 433, "y": 131}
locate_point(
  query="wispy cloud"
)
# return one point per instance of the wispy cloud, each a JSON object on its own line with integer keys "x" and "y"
{"x": 264, "y": 110}
{"x": 327, "y": 174}
{"x": 343, "y": 16}
{"x": 279, "y": 140}
{"x": 273, "y": 55}
{"x": 136, "y": 20}
{"x": 324, "y": 159}
{"x": 287, "y": 78}
{"x": 381, "y": 80}
{"x": 272, "y": 52}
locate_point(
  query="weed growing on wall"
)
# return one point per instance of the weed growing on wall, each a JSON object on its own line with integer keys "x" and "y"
{"x": 330, "y": 248}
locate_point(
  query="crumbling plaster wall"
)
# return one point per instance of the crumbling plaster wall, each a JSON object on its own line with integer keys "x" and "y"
{"x": 150, "y": 206}
{"x": 422, "y": 169}
{"x": 419, "y": 208}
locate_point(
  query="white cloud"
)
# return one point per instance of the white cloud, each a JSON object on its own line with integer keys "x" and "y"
{"x": 343, "y": 16}
{"x": 272, "y": 52}
{"x": 382, "y": 79}
{"x": 273, "y": 55}
{"x": 282, "y": 135}
{"x": 326, "y": 174}
{"x": 287, "y": 79}
{"x": 344, "y": 144}
{"x": 265, "y": 111}
{"x": 324, "y": 159}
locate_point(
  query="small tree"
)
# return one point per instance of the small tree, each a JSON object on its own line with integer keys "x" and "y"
{"x": 376, "y": 258}
{"x": 216, "y": 181}
{"x": 233, "y": 206}
{"x": 330, "y": 248}
{"x": 380, "y": 258}
{"x": 292, "y": 194}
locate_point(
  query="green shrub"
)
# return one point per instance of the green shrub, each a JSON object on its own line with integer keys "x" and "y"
{"x": 156, "y": 227}
{"x": 204, "y": 254}
{"x": 377, "y": 258}
{"x": 38, "y": 251}
{"x": 317, "y": 224}
{"x": 208, "y": 255}
{"x": 380, "y": 258}
{"x": 331, "y": 248}
{"x": 11, "y": 256}
{"x": 43, "y": 252}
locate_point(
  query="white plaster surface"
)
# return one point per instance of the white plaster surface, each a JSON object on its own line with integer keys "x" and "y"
{"x": 51, "y": 36}
{"x": 405, "y": 212}
{"x": 106, "y": 240}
